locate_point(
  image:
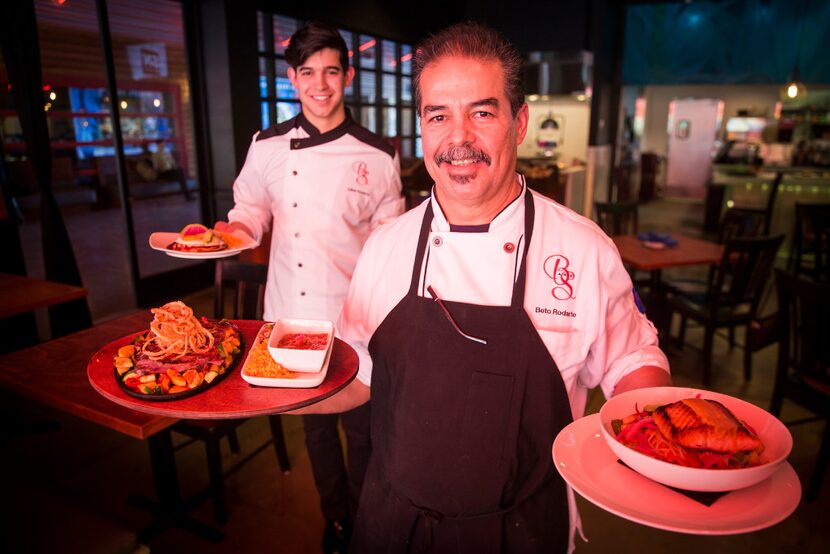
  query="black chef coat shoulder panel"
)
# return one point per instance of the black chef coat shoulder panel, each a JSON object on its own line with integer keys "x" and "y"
{"x": 279, "y": 129}
{"x": 368, "y": 137}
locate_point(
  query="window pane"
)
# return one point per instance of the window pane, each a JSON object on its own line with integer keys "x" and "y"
{"x": 406, "y": 90}
{"x": 368, "y": 52}
{"x": 389, "y": 60}
{"x": 406, "y": 148}
{"x": 347, "y": 38}
{"x": 419, "y": 151}
{"x": 368, "y": 118}
{"x": 260, "y": 36}
{"x": 284, "y": 87}
{"x": 287, "y": 110}
{"x": 388, "y": 90}
{"x": 265, "y": 119}
{"x": 406, "y": 59}
{"x": 284, "y": 27}
{"x": 406, "y": 122}
{"x": 367, "y": 87}
{"x": 390, "y": 122}
{"x": 263, "y": 78}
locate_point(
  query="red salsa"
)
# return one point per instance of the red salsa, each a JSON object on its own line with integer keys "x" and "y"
{"x": 304, "y": 341}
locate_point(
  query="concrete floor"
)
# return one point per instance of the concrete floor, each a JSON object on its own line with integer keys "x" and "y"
{"x": 66, "y": 490}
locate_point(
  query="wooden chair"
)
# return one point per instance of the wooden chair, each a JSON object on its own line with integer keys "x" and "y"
{"x": 247, "y": 282}
{"x": 617, "y": 218}
{"x": 732, "y": 295}
{"x": 811, "y": 241}
{"x": 803, "y": 370}
{"x": 741, "y": 222}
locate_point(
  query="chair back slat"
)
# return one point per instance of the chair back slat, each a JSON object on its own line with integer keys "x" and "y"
{"x": 741, "y": 222}
{"x": 617, "y": 218}
{"x": 811, "y": 241}
{"x": 246, "y": 281}
{"x": 804, "y": 310}
{"x": 744, "y": 269}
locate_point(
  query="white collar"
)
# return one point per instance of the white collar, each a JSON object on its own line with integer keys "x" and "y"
{"x": 508, "y": 217}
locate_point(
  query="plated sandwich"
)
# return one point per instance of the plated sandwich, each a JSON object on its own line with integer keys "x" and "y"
{"x": 198, "y": 238}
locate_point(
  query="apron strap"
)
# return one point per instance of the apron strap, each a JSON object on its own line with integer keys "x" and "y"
{"x": 422, "y": 246}
{"x": 519, "y": 286}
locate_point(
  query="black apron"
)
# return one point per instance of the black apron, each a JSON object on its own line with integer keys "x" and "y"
{"x": 462, "y": 432}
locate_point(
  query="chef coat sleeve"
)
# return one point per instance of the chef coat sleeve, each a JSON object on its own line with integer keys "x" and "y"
{"x": 391, "y": 201}
{"x": 627, "y": 340}
{"x": 357, "y": 322}
{"x": 252, "y": 204}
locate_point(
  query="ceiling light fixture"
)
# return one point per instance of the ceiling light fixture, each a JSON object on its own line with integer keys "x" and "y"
{"x": 795, "y": 89}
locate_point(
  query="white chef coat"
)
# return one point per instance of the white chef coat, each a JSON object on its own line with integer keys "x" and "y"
{"x": 578, "y": 294}
{"x": 322, "y": 194}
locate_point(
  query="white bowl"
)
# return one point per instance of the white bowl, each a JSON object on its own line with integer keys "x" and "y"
{"x": 775, "y": 436}
{"x": 308, "y": 361}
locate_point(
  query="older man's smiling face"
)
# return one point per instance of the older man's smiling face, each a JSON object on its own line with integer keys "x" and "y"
{"x": 470, "y": 136}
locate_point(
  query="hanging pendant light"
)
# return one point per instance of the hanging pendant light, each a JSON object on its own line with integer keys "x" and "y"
{"x": 794, "y": 89}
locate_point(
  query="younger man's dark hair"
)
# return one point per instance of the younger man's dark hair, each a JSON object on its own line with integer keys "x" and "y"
{"x": 312, "y": 38}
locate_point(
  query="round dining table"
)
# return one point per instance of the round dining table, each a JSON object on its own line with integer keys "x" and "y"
{"x": 232, "y": 397}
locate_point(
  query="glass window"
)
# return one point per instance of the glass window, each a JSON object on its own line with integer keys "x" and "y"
{"x": 347, "y": 38}
{"x": 390, "y": 122}
{"x": 368, "y": 118}
{"x": 406, "y": 148}
{"x": 388, "y": 90}
{"x": 368, "y": 52}
{"x": 406, "y": 90}
{"x": 367, "y": 87}
{"x": 265, "y": 117}
{"x": 284, "y": 87}
{"x": 284, "y": 27}
{"x": 388, "y": 60}
{"x": 419, "y": 151}
{"x": 287, "y": 110}
{"x": 406, "y": 122}
{"x": 406, "y": 59}
{"x": 260, "y": 35}
{"x": 263, "y": 78}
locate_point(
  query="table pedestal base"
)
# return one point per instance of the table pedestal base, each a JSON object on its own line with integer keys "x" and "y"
{"x": 171, "y": 510}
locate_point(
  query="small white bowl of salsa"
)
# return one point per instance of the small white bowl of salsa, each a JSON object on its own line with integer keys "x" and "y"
{"x": 301, "y": 344}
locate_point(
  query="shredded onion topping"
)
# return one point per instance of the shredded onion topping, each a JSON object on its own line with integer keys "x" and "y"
{"x": 175, "y": 332}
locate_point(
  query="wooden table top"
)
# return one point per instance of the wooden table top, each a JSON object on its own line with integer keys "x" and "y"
{"x": 689, "y": 251}
{"x": 232, "y": 397}
{"x": 55, "y": 373}
{"x": 19, "y": 294}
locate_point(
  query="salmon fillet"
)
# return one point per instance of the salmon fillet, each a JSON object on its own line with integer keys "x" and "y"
{"x": 704, "y": 425}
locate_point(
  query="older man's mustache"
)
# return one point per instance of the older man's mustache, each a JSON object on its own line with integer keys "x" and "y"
{"x": 458, "y": 153}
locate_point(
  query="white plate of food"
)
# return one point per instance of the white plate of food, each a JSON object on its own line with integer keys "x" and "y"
{"x": 262, "y": 370}
{"x": 694, "y": 439}
{"x": 195, "y": 241}
{"x": 583, "y": 458}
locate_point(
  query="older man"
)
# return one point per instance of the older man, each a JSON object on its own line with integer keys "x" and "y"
{"x": 481, "y": 319}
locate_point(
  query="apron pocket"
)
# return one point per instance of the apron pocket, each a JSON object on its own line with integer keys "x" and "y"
{"x": 486, "y": 420}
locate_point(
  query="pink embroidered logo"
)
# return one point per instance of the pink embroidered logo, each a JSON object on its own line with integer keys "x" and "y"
{"x": 556, "y": 267}
{"x": 362, "y": 173}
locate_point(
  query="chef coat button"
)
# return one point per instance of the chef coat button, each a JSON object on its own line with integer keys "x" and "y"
{"x": 300, "y": 264}
{"x": 294, "y": 172}
{"x": 437, "y": 241}
{"x": 302, "y": 293}
{"x": 296, "y": 235}
{"x": 294, "y": 205}
{"x": 509, "y": 247}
